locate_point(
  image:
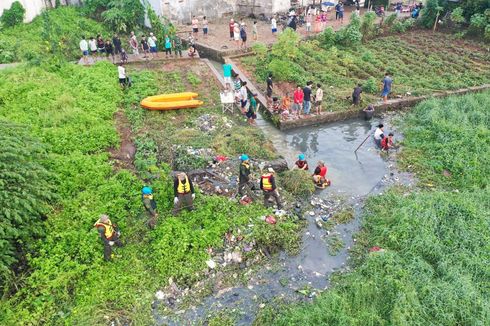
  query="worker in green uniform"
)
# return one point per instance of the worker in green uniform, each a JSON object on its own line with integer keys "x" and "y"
{"x": 109, "y": 234}
{"x": 150, "y": 206}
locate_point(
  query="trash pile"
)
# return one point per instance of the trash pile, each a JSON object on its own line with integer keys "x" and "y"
{"x": 208, "y": 123}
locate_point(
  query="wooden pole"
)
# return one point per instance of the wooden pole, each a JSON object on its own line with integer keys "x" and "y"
{"x": 435, "y": 23}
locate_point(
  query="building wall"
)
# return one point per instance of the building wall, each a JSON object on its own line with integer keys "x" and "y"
{"x": 183, "y": 10}
{"x": 281, "y": 5}
{"x": 32, "y": 7}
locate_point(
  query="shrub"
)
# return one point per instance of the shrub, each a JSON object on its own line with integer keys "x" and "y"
{"x": 298, "y": 183}
{"x": 402, "y": 25}
{"x": 429, "y": 13}
{"x": 14, "y": 15}
{"x": 457, "y": 16}
{"x": 369, "y": 29}
{"x": 25, "y": 193}
{"x": 370, "y": 86}
{"x": 390, "y": 20}
{"x": 285, "y": 70}
{"x": 351, "y": 34}
{"x": 327, "y": 38}
{"x": 287, "y": 45}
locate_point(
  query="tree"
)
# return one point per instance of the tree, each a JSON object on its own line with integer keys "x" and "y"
{"x": 14, "y": 15}
{"x": 25, "y": 192}
{"x": 430, "y": 13}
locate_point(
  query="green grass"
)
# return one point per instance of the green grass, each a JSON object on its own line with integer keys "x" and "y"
{"x": 66, "y": 26}
{"x": 434, "y": 267}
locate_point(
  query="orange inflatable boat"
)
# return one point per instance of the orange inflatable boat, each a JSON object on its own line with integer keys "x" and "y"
{"x": 173, "y": 101}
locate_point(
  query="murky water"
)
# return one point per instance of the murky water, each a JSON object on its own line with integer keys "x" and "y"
{"x": 334, "y": 144}
{"x": 302, "y": 277}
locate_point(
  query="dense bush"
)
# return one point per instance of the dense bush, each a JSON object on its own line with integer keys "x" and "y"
{"x": 13, "y": 16}
{"x": 454, "y": 133}
{"x": 24, "y": 196}
{"x": 62, "y": 28}
{"x": 121, "y": 15}
{"x": 429, "y": 13}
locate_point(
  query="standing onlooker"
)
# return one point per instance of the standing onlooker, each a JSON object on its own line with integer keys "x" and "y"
{"x": 124, "y": 56}
{"x": 153, "y": 46}
{"x": 243, "y": 36}
{"x": 123, "y": 80}
{"x": 309, "y": 19}
{"x": 133, "y": 43}
{"x": 398, "y": 9}
{"x": 297, "y": 101}
{"x": 236, "y": 35}
{"x": 100, "y": 44}
{"x": 155, "y": 39}
{"x": 92, "y": 45}
{"x": 237, "y": 85}
{"x": 255, "y": 32}
{"x": 168, "y": 46}
{"x": 341, "y": 12}
{"x": 205, "y": 26}
{"x": 318, "y": 98}
{"x": 274, "y": 25}
{"x": 252, "y": 109}
{"x": 358, "y": 9}
{"x": 116, "y": 41}
{"x": 307, "y": 98}
{"x": 387, "y": 82}
{"x": 145, "y": 47}
{"x": 190, "y": 40}
{"x": 356, "y": 94}
{"x": 109, "y": 50}
{"x": 337, "y": 10}
{"x": 227, "y": 75}
{"x": 270, "y": 85}
{"x": 243, "y": 97}
{"x": 232, "y": 28}
{"x": 84, "y": 49}
{"x": 195, "y": 26}
{"x": 177, "y": 46}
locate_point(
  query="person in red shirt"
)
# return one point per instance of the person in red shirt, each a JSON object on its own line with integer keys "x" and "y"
{"x": 301, "y": 162}
{"x": 387, "y": 142}
{"x": 232, "y": 28}
{"x": 319, "y": 176}
{"x": 298, "y": 97}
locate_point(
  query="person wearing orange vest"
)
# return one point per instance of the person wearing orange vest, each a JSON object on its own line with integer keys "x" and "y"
{"x": 109, "y": 234}
{"x": 183, "y": 193}
{"x": 319, "y": 176}
{"x": 268, "y": 186}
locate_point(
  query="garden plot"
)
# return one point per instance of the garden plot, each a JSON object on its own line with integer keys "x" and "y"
{"x": 420, "y": 62}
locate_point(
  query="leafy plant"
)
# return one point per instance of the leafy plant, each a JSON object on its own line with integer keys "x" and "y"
{"x": 429, "y": 13}
{"x": 26, "y": 193}
{"x": 457, "y": 16}
{"x": 370, "y": 86}
{"x": 14, "y": 15}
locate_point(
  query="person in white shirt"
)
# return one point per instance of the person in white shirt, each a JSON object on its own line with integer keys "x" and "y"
{"x": 84, "y": 49}
{"x": 274, "y": 25}
{"x": 318, "y": 98}
{"x": 123, "y": 80}
{"x": 379, "y": 135}
{"x": 92, "y": 44}
{"x": 152, "y": 45}
{"x": 243, "y": 96}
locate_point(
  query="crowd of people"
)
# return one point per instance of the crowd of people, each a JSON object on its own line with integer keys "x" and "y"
{"x": 145, "y": 47}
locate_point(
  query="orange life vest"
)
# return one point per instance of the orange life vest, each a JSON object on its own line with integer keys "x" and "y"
{"x": 108, "y": 228}
{"x": 266, "y": 182}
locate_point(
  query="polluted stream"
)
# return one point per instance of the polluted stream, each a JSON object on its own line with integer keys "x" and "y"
{"x": 303, "y": 276}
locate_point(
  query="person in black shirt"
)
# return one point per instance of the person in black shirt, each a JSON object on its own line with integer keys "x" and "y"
{"x": 307, "y": 98}
{"x": 269, "y": 88}
{"x": 109, "y": 50}
{"x": 356, "y": 94}
{"x": 117, "y": 44}
{"x": 145, "y": 47}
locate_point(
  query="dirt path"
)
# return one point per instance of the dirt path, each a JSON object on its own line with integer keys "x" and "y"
{"x": 124, "y": 155}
